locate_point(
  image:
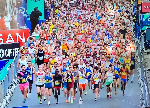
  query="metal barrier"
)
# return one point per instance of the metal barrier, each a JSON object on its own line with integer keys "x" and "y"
{"x": 11, "y": 76}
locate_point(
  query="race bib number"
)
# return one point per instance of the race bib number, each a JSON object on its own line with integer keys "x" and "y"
{"x": 40, "y": 80}
{"x": 30, "y": 77}
{"x": 88, "y": 74}
{"x": 106, "y": 69}
{"x": 24, "y": 80}
{"x": 47, "y": 81}
{"x": 123, "y": 73}
{"x": 69, "y": 80}
{"x": 116, "y": 72}
{"x": 26, "y": 57}
{"x": 132, "y": 62}
{"x": 95, "y": 79}
{"x": 63, "y": 73}
{"x": 81, "y": 77}
{"x": 57, "y": 83}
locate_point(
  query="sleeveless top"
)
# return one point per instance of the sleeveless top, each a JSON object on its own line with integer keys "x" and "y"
{"x": 30, "y": 72}
{"x": 39, "y": 78}
{"x": 96, "y": 79}
{"x": 47, "y": 79}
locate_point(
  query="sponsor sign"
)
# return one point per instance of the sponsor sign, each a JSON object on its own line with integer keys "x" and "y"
{"x": 11, "y": 36}
{"x": 9, "y": 51}
{"x": 145, "y": 7}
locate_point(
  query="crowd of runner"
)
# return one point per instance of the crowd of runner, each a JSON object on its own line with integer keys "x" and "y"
{"x": 79, "y": 48}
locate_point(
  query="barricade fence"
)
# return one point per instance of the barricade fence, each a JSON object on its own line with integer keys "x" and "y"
{"x": 8, "y": 84}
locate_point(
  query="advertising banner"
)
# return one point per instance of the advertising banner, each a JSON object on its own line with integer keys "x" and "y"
{"x": 9, "y": 51}
{"x": 31, "y": 4}
{"x": 11, "y": 36}
{"x": 145, "y": 7}
{"x": 146, "y": 20}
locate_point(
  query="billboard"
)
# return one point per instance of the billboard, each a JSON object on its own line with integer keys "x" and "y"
{"x": 145, "y": 7}
{"x": 11, "y": 36}
{"x": 9, "y": 51}
{"x": 31, "y": 4}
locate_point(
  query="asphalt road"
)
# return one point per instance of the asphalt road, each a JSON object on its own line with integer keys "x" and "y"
{"x": 130, "y": 100}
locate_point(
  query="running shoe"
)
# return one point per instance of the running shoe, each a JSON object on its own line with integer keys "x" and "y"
{"x": 102, "y": 86}
{"x": 27, "y": 95}
{"x": 110, "y": 96}
{"x": 73, "y": 97}
{"x": 66, "y": 100}
{"x": 85, "y": 93}
{"x": 71, "y": 100}
{"x": 95, "y": 99}
{"x": 56, "y": 102}
{"x": 44, "y": 99}
{"x": 40, "y": 102}
{"x": 49, "y": 103}
{"x": 107, "y": 96}
{"x": 62, "y": 89}
{"x": 131, "y": 81}
{"x": 98, "y": 95}
{"x": 24, "y": 100}
{"x": 76, "y": 90}
{"x": 115, "y": 92}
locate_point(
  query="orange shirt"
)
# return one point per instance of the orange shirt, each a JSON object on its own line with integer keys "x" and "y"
{"x": 124, "y": 74}
{"x": 64, "y": 47}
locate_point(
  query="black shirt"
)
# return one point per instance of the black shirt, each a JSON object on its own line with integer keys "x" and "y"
{"x": 22, "y": 75}
{"x": 57, "y": 80}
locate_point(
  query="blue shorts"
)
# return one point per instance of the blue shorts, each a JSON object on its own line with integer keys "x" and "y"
{"x": 65, "y": 85}
{"x": 49, "y": 86}
{"x": 116, "y": 76}
{"x": 124, "y": 80}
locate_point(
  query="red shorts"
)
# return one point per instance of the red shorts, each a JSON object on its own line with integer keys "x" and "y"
{"x": 82, "y": 86}
{"x": 70, "y": 85}
{"x": 56, "y": 87}
{"x": 23, "y": 86}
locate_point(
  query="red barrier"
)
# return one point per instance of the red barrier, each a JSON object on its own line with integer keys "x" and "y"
{"x": 10, "y": 36}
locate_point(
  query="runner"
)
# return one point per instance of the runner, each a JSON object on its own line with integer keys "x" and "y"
{"x": 109, "y": 81}
{"x": 127, "y": 61}
{"x": 22, "y": 61}
{"x": 75, "y": 73}
{"x": 23, "y": 84}
{"x": 31, "y": 71}
{"x": 89, "y": 72}
{"x": 116, "y": 74}
{"x": 57, "y": 84}
{"x": 70, "y": 84}
{"x": 48, "y": 84}
{"x": 32, "y": 52}
{"x": 63, "y": 72}
{"x": 132, "y": 67}
{"x": 39, "y": 55}
{"x": 82, "y": 81}
{"x": 40, "y": 82}
{"x": 95, "y": 77}
{"x": 123, "y": 74}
